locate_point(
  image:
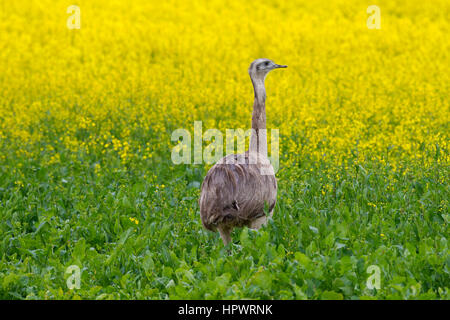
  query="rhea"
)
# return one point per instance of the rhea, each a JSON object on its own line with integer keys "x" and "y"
{"x": 241, "y": 189}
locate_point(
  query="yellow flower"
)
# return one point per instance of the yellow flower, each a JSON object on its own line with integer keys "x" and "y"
{"x": 136, "y": 221}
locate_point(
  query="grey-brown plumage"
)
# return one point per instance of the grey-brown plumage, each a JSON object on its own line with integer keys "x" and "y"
{"x": 238, "y": 188}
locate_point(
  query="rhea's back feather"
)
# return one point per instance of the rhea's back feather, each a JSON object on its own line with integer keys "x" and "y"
{"x": 234, "y": 191}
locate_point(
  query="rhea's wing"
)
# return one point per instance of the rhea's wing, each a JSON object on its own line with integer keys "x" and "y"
{"x": 235, "y": 192}
{"x": 218, "y": 203}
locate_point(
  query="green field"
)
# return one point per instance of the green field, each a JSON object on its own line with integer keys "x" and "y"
{"x": 318, "y": 245}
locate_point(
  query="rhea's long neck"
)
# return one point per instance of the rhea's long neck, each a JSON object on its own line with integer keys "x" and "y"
{"x": 258, "y": 138}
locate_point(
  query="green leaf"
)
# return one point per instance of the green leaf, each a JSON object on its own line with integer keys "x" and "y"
{"x": 331, "y": 295}
{"x": 125, "y": 235}
{"x": 148, "y": 263}
{"x": 262, "y": 279}
{"x": 302, "y": 259}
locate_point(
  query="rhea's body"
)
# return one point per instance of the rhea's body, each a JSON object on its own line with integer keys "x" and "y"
{"x": 235, "y": 193}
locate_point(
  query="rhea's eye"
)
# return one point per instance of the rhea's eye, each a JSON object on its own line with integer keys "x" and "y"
{"x": 266, "y": 63}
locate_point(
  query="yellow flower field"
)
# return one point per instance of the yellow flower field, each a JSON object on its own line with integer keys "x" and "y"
{"x": 161, "y": 65}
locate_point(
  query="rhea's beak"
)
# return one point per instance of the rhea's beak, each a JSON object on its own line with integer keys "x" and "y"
{"x": 280, "y": 66}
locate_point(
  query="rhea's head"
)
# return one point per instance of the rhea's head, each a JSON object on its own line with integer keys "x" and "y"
{"x": 261, "y": 67}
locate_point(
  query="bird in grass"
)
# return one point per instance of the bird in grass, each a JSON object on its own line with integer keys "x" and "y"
{"x": 241, "y": 188}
